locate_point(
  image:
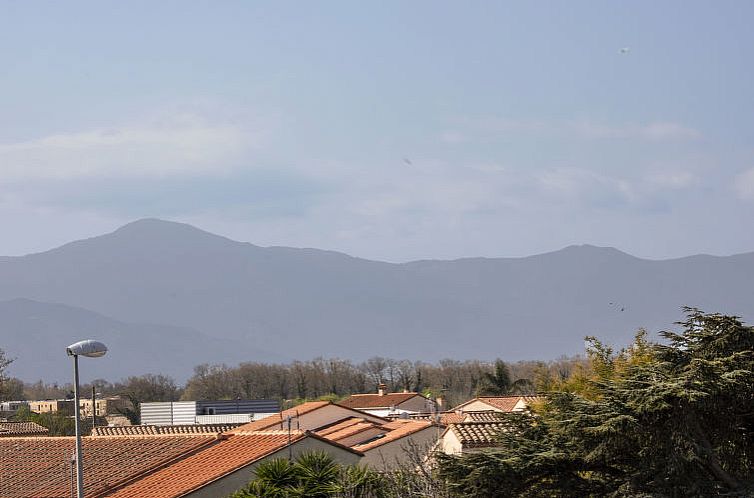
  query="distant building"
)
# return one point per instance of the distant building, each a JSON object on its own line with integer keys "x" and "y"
{"x": 206, "y": 412}
{"x": 11, "y": 407}
{"x": 112, "y": 405}
{"x": 64, "y": 406}
{"x": 384, "y": 404}
{"x": 505, "y": 404}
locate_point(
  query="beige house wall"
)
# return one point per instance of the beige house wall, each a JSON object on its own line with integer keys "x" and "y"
{"x": 398, "y": 453}
{"x": 450, "y": 444}
{"x": 520, "y": 406}
{"x": 324, "y": 416}
{"x": 51, "y": 406}
{"x": 240, "y": 478}
{"x": 480, "y": 406}
{"x": 107, "y": 406}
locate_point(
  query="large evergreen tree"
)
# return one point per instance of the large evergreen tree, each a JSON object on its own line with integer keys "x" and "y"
{"x": 673, "y": 419}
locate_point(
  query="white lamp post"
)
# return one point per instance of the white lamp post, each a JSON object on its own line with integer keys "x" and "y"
{"x": 92, "y": 349}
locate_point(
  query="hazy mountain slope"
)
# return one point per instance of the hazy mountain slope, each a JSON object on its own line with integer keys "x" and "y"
{"x": 36, "y": 335}
{"x": 305, "y": 302}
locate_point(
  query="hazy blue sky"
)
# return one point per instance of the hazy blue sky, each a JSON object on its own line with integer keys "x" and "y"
{"x": 390, "y": 130}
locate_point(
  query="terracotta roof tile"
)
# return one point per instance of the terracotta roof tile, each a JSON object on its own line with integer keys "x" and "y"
{"x": 22, "y": 429}
{"x": 40, "y": 467}
{"x": 212, "y": 463}
{"x": 346, "y": 428}
{"x": 376, "y": 401}
{"x": 477, "y": 434}
{"x": 482, "y": 416}
{"x": 396, "y": 429}
{"x": 451, "y": 418}
{"x": 136, "y": 430}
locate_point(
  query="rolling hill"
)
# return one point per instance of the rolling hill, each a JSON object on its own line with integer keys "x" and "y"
{"x": 272, "y": 303}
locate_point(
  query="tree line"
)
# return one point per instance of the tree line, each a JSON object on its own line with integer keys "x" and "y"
{"x": 454, "y": 381}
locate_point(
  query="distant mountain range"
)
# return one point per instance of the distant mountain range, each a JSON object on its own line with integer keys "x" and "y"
{"x": 166, "y": 296}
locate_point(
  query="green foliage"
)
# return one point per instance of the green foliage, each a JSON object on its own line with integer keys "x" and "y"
{"x": 142, "y": 388}
{"x": 58, "y": 423}
{"x": 313, "y": 474}
{"x": 499, "y": 382}
{"x": 673, "y": 420}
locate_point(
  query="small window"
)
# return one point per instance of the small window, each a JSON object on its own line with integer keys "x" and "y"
{"x": 209, "y": 410}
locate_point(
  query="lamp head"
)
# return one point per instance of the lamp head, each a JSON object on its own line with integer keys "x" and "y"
{"x": 88, "y": 347}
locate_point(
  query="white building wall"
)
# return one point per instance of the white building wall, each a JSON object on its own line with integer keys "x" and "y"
{"x": 156, "y": 413}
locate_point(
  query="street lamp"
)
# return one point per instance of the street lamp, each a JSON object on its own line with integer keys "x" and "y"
{"x": 92, "y": 349}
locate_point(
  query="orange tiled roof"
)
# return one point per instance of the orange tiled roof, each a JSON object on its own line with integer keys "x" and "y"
{"x": 443, "y": 418}
{"x": 482, "y": 416}
{"x": 376, "y": 400}
{"x": 278, "y": 420}
{"x": 396, "y": 429}
{"x": 188, "y": 474}
{"x": 346, "y": 428}
{"x": 477, "y": 434}
{"x": 140, "y": 430}
{"x": 451, "y": 418}
{"x": 22, "y": 429}
{"x": 40, "y": 467}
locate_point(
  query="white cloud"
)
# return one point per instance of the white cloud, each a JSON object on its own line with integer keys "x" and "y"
{"x": 744, "y": 184}
{"x": 577, "y": 182}
{"x": 675, "y": 180}
{"x": 587, "y": 129}
{"x": 183, "y": 144}
{"x": 668, "y": 131}
{"x": 656, "y": 131}
{"x": 453, "y": 137}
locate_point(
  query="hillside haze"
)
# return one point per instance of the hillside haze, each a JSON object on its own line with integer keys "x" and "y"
{"x": 230, "y": 301}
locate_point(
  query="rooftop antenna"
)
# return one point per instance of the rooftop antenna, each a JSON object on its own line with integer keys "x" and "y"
{"x": 290, "y": 450}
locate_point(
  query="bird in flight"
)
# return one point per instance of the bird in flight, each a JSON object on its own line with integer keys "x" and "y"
{"x": 622, "y": 308}
{"x": 625, "y": 50}
{"x": 407, "y": 161}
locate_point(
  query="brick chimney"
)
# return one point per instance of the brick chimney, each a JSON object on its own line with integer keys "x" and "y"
{"x": 381, "y": 389}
